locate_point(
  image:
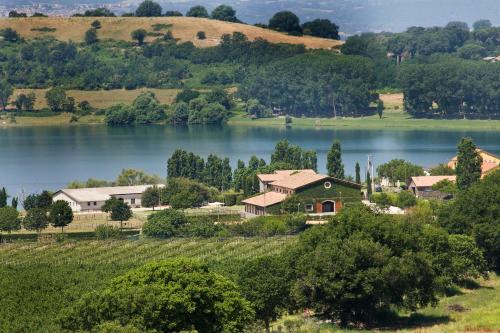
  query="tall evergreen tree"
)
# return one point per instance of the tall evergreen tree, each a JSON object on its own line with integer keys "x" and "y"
{"x": 227, "y": 176}
{"x": 253, "y": 163}
{"x": 3, "y": 197}
{"x": 334, "y": 163}
{"x": 15, "y": 202}
{"x": 468, "y": 164}
{"x": 358, "y": 173}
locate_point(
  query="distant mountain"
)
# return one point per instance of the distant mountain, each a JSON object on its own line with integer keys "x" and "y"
{"x": 352, "y": 15}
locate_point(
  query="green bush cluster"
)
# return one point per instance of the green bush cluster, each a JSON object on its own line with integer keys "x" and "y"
{"x": 171, "y": 223}
{"x": 403, "y": 199}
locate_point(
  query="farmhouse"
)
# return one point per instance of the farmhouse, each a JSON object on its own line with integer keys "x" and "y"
{"x": 490, "y": 162}
{"x": 421, "y": 186}
{"x": 92, "y": 199}
{"x": 315, "y": 193}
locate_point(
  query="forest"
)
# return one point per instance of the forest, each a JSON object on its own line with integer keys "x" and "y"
{"x": 440, "y": 70}
{"x": 444, "y": 72}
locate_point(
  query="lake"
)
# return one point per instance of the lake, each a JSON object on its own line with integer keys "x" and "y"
{"x": 36, "y": 158}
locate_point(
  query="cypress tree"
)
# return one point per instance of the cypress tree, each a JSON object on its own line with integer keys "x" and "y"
{"x": 334, "y": 163}
{"x": 15, "y": 202}
{"x": 3, "y": 197}
{"x": 468, "y": 164}
{"x": 358, "y": 173}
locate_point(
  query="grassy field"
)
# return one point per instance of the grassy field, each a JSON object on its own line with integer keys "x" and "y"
{"x": 183, "y": 28}
{"x": 394, "y": 117}
{"x": 471, "y": 310}
{"x": 37, "y": 280}
{"x": 101, "y": 99}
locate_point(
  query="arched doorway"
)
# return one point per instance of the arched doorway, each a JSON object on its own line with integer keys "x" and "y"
{"x": 328, "y": 207}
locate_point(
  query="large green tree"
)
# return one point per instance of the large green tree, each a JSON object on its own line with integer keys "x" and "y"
{"x": 323, "y": 28}
{"x": 148, "y": 8}
{"x": 9, "y": 219}
{"x": 168, "y": 296}
{"x": 286, "y": 21}
{"x": 151, "y": 197}
{"x": 132, "y": 177}
{"x": 60, "y": 214}
{"x": 56, "y": 97}
{"x": 118, "y": 209}
{"x": 36, "y": 219}
{"x": 334, "y": 163}
{"x": 468, "y": 164}
{"x": 6, "y": 91}
{"x": 476, "y": 212}
{"x": 3, "y": 197}
{"x": 224, "y": 13}
{"x": 266, "y": 283}
{"x": 399, "y": 170}
{"x": 198, "y": 11}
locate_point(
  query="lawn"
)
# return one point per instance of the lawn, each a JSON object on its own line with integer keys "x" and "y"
{"x": 394, "y": 117}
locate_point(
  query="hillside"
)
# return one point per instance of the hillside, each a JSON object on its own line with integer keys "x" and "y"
{"x": 183, "y": 28}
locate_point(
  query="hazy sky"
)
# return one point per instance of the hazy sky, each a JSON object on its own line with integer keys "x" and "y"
{"x": 352, "y": 15}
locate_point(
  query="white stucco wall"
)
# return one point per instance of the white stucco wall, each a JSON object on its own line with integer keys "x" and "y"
{"x": 75, "y": 206}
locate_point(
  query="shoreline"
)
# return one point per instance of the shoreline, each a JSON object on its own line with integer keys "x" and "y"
{"x": 390, "y": 121}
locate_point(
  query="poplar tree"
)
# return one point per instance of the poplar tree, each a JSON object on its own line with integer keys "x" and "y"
{"x": 468, "y": 164}
{"x": 358, "y": 173}
{"x": 334, "y": 163}
{"x": 3, "y": 197}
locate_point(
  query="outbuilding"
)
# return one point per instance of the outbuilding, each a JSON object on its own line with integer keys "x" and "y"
{"x": 92, "y": 199}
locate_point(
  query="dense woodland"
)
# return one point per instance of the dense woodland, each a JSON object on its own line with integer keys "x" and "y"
{"x": 440, "y": 70}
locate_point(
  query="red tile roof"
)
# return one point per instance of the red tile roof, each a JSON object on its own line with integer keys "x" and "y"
{"x": 429, "y": 181}
{"x": 265, "y": 200}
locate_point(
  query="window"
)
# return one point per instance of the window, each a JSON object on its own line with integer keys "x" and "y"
{"x": 132, "y": 201}
{"x": 95, "y": 203}
{"x": 309, "y": 207}
{"x": 328, "y": 185}
{"x": 88, "y": 203}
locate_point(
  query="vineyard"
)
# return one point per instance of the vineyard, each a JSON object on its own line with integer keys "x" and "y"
{"x": 37, "y": 279}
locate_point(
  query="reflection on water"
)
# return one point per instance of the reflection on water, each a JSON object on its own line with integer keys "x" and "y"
{"x": 50, "y": 157}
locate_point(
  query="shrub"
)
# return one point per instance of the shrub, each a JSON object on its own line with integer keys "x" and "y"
{"x": 201, "y": 35}
{"x": 405, "y": 199}
{"x": 200, "y": 226}
{"x": 165, "y": 224}
{"x": 103, "y": 232}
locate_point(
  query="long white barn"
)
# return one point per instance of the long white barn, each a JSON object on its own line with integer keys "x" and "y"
{"x": 92, "y": 199}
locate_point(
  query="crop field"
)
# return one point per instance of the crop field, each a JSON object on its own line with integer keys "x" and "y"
{"x": 39, "y": 279}
{"x": 183, "y": 28}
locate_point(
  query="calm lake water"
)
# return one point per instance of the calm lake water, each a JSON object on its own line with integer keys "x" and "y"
{"x": 32, "y": 159}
